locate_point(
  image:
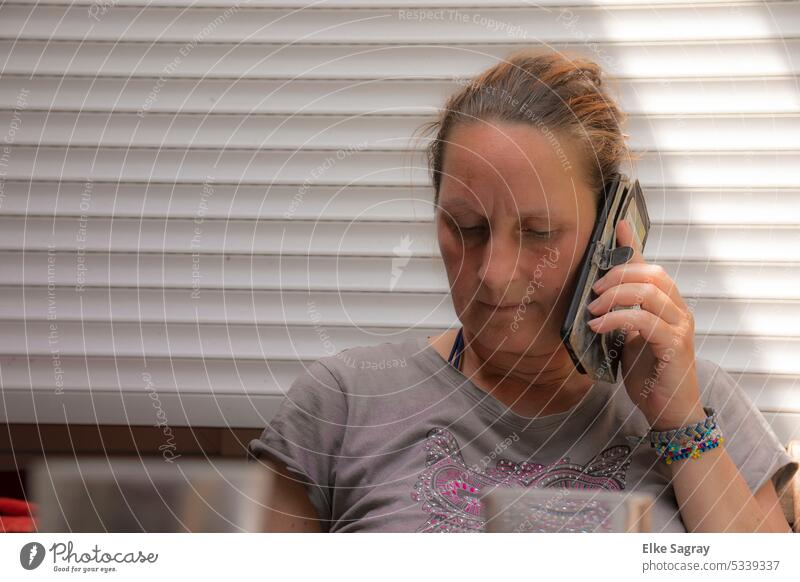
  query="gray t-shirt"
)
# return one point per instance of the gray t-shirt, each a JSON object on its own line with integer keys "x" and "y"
{"x": 391, "y": 437}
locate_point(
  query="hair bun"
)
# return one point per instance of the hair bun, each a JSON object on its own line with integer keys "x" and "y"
{"x": 549, "y": 90}
{"x": 593, "y": 73}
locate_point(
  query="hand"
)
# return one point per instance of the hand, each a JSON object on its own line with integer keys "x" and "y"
{"x": 658, "y": 357}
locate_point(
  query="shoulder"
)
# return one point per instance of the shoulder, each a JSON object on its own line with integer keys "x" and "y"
{"x": 739, "y": 418}
{"x": 723, "y": 392}
{"x": 358, "y": 367}
{"x": 709, "y": 377}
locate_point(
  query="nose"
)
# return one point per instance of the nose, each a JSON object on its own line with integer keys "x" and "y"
{"x": 500, "y": 265}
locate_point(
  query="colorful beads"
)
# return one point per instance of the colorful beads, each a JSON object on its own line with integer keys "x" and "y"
{"x": 688, "y": 442}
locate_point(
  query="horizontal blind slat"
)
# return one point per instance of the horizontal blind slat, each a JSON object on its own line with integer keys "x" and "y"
{"x": 292, "y": 273}
{"x": 676, "y": 133}
{"x": 768, "y": 95}
{"x": 407, "y": 26}
{"x": 103, "y": 9}
{"x": 765, "y": 206}
{"x": 753, "y": 354}
{"x": 357, "y": 167}
{"x": 237, "y": 61}
{"x": 665, "y": 242}
{"x": 334, "y": 308}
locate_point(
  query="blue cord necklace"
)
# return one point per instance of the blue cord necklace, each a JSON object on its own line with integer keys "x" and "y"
{"x": 458, "y": 350}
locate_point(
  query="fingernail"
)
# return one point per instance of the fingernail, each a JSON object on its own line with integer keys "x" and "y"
{"x": 593, "y": 304}
{"x": 593, "y": 323}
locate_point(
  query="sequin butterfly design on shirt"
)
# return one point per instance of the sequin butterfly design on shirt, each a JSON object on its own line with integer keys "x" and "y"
{"x": 448, "y": 489}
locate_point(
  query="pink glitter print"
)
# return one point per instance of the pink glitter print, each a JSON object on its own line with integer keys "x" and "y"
{"x": 449, "y": 490}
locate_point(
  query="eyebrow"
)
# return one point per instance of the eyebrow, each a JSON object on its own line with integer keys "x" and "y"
{"x": 461, "y": 203}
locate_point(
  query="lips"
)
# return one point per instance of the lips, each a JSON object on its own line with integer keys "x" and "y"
{"x": 499, "y": 307}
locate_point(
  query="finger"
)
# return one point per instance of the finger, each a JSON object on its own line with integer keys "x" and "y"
{"x": 626, "y": 238}
{"x": 639, "y": 273}
{"x": 647, "y": 295}
{"x": 652, "y": 328}
{"x": 631, "y": 335}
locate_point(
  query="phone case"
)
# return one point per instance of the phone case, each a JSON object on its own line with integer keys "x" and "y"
{"x": 599, "y": 354}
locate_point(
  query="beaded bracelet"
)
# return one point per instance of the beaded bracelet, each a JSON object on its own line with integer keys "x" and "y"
{"x": 689, "y": 441}
{"x": 684, "y": 442}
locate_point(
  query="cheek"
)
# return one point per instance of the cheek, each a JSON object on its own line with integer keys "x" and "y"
{"x": 565, "y": 278}
{"x": 461, "y": 268}
{"x": 453, "y": 254}
{"x": 548, "y": 276}
{"x": 448, "y": 243}
{"x": 544, "y": 284}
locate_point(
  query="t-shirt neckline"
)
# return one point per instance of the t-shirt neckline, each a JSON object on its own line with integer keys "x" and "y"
{"x": 499, "y": 411}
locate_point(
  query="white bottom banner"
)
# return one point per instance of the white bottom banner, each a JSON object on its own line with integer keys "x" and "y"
{"x": 397, "y": 556}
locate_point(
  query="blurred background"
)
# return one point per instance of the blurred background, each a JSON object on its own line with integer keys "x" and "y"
{"x": 200, "y": 197}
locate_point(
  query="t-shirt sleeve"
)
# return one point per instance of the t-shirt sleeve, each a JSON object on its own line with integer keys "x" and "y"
{"x": 306, "y": 435}
{"x": 749, "y": 439}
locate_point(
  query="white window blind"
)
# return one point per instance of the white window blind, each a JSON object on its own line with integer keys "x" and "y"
{"x": 201, "y": 197}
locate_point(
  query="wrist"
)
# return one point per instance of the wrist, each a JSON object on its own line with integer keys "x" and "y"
{"x": 688, "y": 441}
{"x": 675, "y": 420}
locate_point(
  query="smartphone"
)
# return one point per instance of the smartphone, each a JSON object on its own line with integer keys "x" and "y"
{"x": 599, "y": 354}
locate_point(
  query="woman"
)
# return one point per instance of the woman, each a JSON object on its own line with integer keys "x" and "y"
{"x": 405, "y": 436}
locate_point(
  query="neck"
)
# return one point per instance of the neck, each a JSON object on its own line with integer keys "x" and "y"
{"x": 532, "y": 383}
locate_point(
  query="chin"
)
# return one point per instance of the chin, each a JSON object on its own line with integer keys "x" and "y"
{"x": 516, "y": 329}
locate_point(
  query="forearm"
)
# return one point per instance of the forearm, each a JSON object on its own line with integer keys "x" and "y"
{"x": 714, "y": 497}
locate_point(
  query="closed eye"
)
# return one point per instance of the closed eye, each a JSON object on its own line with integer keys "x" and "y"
{"x": 471, "y": 229}
{"x": 539, "y": 233}
{"x": 479, "y": 228}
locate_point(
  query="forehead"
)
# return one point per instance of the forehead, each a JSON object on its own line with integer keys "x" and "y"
{"x": 514, "y": 166}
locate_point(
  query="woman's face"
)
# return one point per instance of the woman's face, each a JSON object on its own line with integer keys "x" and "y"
{"x": 514, "y": 218}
